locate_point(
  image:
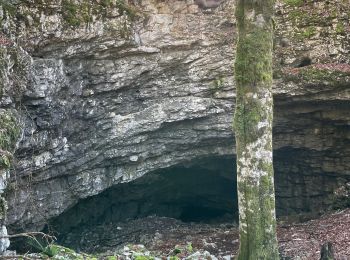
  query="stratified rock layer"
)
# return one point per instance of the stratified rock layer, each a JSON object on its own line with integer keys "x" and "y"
{"x": 119, "y": 95}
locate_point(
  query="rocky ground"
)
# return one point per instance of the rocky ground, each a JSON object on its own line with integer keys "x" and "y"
{"x": 166, "y": 237}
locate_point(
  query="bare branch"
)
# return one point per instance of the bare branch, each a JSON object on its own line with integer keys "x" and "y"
{"x": 30, "y": 234}
{"x": 20, "y": 257}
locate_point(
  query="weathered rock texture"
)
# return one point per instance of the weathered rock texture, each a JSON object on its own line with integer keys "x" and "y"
{"x": 118, "y": 92}
{"x": 12, "y": 80}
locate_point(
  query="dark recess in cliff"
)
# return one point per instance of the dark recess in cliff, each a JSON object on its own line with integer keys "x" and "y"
{"x": 202, "y": 191}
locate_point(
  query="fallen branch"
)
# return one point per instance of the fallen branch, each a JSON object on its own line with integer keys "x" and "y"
{"x": 30, "y": 235}
{"x": 20, "y": 257}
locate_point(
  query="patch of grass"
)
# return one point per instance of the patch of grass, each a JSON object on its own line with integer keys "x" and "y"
{"x": 143, "y": 257}
{"x": 309, "y": 32}
{"x": 293, "y": 2}
{"x": 340, "y": 29}
{"x": 114, "y": 258}
{"x": 189, "y": 247}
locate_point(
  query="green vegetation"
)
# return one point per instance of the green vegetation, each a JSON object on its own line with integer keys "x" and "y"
{"x": 309, "y": 32}
{"x": 218, "y": 83}
{"x": 130, "y": 11}
{"x": 319, "y": 76}
{"x": 3, "y": 208}
{"x": 56, "y": 252}
{"x": 68, "y": 254}
{"x": 308, "y": 14}
{"x": 294, "y": 2}
{"x": 9, "y": 134}
{"x": 339, "y": 29}
{"x": 76, "y": 14}
{"x": 302, "y": 18}
{"x": 45, "y": 249}
{"x": 143, "y": 257}
{"x": 11, "y": 56}
{"x": 9, "y": 131}
{"x": 8, "y": 8}
{"x": 176, "y": 251}
{"x": 297, "y": 14}
{"x": 2, "y": 69}
{"x": 308, "y": 19}
{"x": 253, "y": 64}
{"x": 5, "y": 161}
{"x": 189, "y": 247}
{"x": 70, "y": 13}
{"x": 253, "y": 131}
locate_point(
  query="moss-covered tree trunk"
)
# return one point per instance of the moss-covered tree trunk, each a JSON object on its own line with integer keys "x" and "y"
{"x": 253, "y": 130}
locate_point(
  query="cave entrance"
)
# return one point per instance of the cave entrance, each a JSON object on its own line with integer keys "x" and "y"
{"x": 203, "y": 191}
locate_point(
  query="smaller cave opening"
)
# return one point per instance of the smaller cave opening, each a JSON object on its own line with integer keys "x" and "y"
{"x": 303, "y": 62}
{"x": 202, "y": 214}
{"x": 208, "y": 4}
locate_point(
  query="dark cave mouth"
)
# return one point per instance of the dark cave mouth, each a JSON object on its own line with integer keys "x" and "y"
{"x": 202, "y": 191}
{"x": 204, "y": 214}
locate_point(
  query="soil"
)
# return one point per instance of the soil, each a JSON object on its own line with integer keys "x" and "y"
{"x": 162, "y": 235}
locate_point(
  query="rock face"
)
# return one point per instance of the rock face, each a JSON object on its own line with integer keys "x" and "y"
{"x": 135, "y": 88}
{"x": 12, "y": 80}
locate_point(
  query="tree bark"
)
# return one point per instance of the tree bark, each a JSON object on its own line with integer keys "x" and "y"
{"x": 327, "y": 252}
{"x": 253, "y": 130}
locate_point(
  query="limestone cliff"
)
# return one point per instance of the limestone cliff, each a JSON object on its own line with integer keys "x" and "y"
{"x": 116, "y": 91}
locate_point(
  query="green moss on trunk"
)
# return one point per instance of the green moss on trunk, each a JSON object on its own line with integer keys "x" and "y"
{"x": 253, "y": 130}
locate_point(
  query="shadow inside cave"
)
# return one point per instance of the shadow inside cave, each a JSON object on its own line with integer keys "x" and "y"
{"x": 203, "y": 191}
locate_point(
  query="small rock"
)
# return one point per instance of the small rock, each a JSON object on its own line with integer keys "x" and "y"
{"x": 158, "y": 236}
{"x": 195, "y": 255}
{"x": 206, "y": 253}
{"x": 284, "y": 42}
{"x": 133, "y": 158}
